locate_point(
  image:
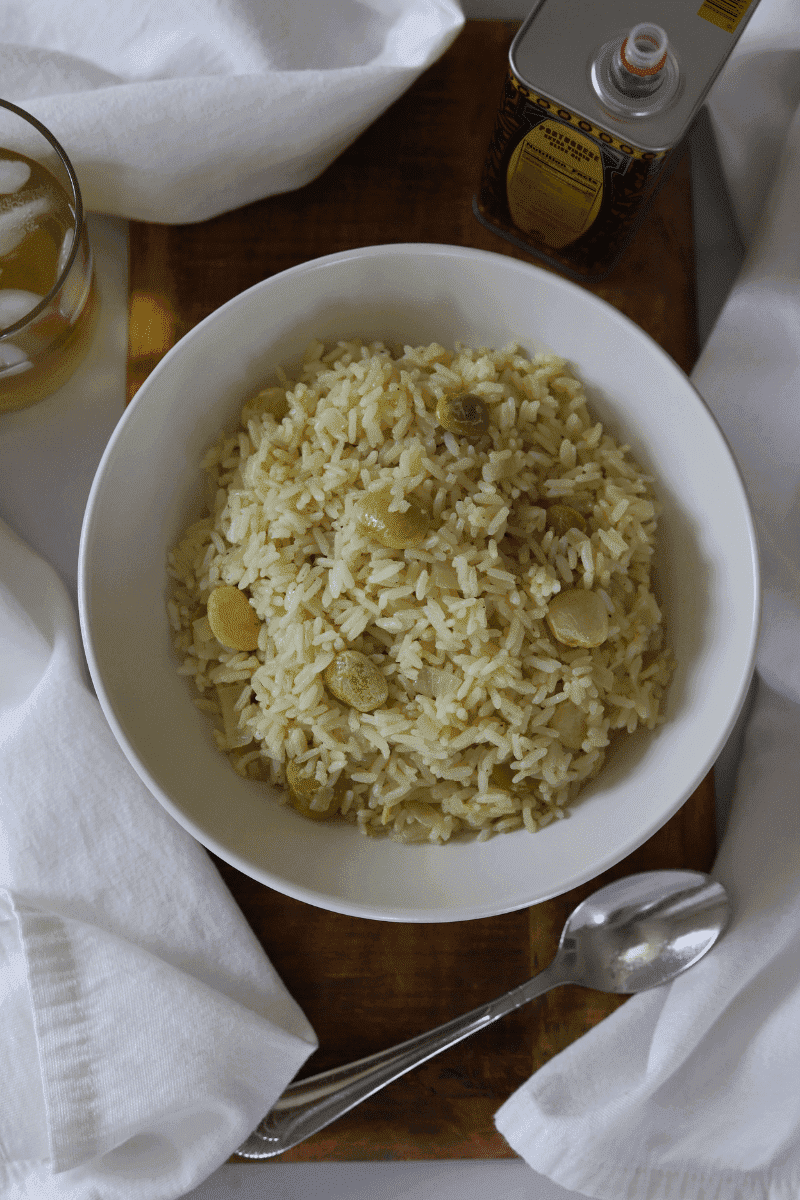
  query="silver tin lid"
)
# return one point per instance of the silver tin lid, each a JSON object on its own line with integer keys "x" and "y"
{"x": 556, "y": 51}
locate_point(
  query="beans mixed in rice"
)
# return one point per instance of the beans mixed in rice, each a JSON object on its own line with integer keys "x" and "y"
{"x": 421, "y": 599}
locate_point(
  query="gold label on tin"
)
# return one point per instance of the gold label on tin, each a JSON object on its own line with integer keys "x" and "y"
{"x": 727, "y": 14}
{"x": 554, "y": 183}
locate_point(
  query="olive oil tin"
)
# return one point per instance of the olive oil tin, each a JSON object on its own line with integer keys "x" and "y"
{"x": 595, "y": 109}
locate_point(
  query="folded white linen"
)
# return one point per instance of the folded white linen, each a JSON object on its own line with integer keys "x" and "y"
{"x": 176, "y": 112}
{"x": 692, "y": 1091}
{"x": 145, "y": 1033}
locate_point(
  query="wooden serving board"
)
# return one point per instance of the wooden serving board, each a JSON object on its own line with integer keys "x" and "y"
{"x": 367, "y": 985}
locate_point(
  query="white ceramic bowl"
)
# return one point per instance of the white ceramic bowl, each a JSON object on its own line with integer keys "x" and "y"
{"x": 148, "y": 486}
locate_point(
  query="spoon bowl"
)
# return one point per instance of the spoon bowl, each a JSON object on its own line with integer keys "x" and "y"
{"x": 643, "y": 930}
{"x": 632, "y": 935}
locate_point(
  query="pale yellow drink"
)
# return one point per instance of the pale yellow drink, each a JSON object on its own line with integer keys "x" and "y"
{"x": 48, "y": 302}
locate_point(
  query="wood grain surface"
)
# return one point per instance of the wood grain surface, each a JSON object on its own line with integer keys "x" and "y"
{"x": 366, "y": 985}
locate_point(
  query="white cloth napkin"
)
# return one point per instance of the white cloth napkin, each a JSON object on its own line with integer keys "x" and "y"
{"x": 174, "y": 112}
{"x": 692, "y": 1091}
{"x": 144, "y": 1032}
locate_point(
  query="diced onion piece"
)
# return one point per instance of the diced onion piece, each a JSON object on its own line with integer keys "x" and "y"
{"x": 227, "y": 695}
{"x": 356, "y": 681}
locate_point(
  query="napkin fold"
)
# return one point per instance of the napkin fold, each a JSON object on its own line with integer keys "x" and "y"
{"x": 691, "y": 1091}
{"x": 176, "y": 112}
{"x": 145, "y": 1032}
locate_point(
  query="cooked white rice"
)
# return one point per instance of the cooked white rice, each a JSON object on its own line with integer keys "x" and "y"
{"x": 490, "y": 723}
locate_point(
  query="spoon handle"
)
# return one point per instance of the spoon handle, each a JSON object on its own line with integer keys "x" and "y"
{"x": 310, "y": 1104}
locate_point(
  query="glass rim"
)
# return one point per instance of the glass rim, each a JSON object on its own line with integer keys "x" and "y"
{"x": 23, "y": 322}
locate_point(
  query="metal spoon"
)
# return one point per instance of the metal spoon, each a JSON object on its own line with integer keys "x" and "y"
{"x": 634, "y": 934}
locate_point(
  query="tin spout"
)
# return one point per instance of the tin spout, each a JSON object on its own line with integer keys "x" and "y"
{"x": 644, "y": 50}
{"x": 637, "y": 68}
{"x": 636, "y": 75}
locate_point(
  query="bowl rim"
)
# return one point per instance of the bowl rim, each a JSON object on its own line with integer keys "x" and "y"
{"x": 310, "y": 895}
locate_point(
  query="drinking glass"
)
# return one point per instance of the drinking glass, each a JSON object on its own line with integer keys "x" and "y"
{"x": 48, "y": 301}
